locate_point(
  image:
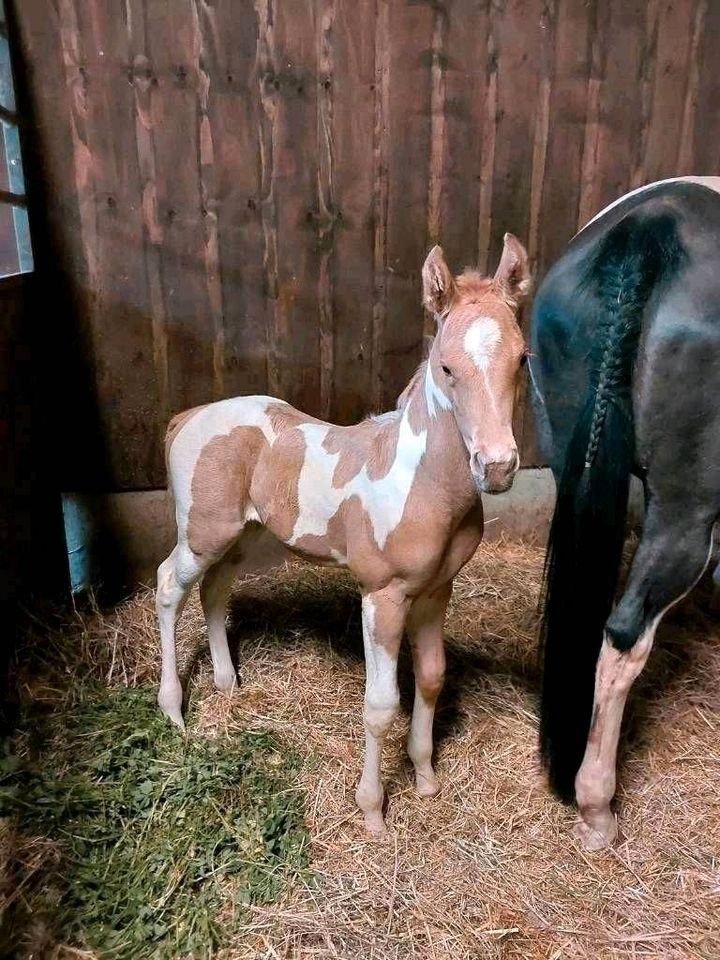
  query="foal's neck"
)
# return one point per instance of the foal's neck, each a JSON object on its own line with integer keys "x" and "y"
{"x": 445, "y": 463}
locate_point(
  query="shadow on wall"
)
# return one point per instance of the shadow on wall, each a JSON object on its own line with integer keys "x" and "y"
{"x": 65, "y": 441}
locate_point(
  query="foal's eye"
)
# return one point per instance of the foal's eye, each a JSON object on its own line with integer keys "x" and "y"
{"x": 446, "y": 370}
{"x": 523, "y": 360}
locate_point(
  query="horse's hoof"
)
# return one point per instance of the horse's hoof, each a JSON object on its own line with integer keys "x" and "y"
{"x": 599, "y": 837}
{"x": 427, "y": 785}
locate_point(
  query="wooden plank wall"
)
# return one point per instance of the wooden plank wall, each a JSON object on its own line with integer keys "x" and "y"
{"x": 243, "y": 193}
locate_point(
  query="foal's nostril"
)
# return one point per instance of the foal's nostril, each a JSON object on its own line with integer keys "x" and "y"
{"x": 478, "y": 465}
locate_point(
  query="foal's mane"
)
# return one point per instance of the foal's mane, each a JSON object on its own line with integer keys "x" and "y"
{"x": 417, "y": 377}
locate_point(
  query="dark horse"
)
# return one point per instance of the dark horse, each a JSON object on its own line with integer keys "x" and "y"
{"x": 626, "y": 361}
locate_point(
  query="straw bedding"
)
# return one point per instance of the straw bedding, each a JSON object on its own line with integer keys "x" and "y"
{"x": 489, "y": 868}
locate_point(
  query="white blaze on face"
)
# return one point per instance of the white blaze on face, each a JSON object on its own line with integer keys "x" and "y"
{"x": 383, "y": 499}
{"x": 481, "y": 340}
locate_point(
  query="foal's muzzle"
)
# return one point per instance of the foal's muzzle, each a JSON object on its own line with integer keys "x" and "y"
{"x": 497, "y": 475}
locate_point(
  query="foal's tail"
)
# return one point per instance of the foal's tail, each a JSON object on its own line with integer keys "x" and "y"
{"x": 587, "y": 532}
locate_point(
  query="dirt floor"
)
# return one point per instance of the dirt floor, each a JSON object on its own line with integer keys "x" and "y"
{"x": 489, "y": 868}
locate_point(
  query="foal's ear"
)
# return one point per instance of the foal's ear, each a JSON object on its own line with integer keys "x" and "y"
{"x": 438, "y": 283}
{"x": 513, "y": 271}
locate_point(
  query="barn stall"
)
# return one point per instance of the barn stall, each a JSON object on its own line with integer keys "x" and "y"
{"x": 228, "y": 198}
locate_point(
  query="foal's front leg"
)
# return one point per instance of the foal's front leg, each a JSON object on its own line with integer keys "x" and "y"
{"x": 425, "y": 627}
{"x": 383, "y": 614}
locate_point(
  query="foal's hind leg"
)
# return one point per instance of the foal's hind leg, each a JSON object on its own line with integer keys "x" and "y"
{"x": 176, "y": 577}
{"x": 214, "y": 593}
{"x": 673, "y": 553}
{"x": 425, "y": 627}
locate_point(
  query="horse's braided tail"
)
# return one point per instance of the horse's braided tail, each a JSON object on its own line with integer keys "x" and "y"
{"x": 587, "y": 532}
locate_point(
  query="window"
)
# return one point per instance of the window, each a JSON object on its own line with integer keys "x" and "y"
{"x": 15, "y": 249}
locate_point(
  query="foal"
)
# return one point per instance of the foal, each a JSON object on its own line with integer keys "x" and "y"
{"x": 395, "y": 498}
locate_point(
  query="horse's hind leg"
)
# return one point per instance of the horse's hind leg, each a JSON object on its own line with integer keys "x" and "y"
{"x": 673, "y": 553}
{"x": 176, "y": 577}
{"x": 214, "y": 593}
{"x": 425, "y": 628}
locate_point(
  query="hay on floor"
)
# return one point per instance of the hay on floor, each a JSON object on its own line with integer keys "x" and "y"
{"x": 488, "y": 868}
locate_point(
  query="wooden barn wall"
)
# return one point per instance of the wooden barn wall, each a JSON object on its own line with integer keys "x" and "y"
{"x": 241, "y": 193}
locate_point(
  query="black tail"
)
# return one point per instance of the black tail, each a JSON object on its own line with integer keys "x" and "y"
{"x": 586, "y": 537}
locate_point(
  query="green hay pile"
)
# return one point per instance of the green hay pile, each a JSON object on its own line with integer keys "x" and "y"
{"x": 149, "y": 840}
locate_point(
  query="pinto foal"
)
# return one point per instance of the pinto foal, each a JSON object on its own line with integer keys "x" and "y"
{"x": 395, "y": 498}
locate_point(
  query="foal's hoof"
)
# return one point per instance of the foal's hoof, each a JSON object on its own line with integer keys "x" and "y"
{"x": 599, "y": 837}
{"x": 226, "y": 682}
{"x": 375, "y": 824}
{"x": 427, "y": 785}
{"x": 171, "y": 705}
